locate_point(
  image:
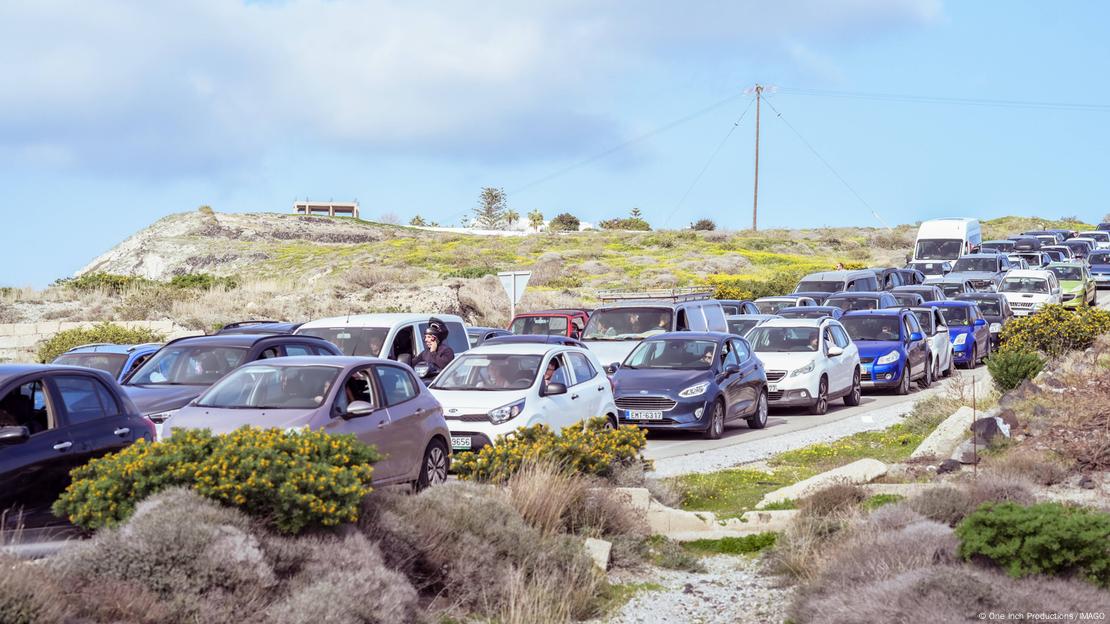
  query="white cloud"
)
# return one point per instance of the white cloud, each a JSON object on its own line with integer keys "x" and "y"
{"x": 196, "y": 86}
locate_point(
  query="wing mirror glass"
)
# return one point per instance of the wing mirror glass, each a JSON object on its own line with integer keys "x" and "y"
{"x": 980, "y": 322}
{"x": 14, "y": 435}
{"x": 553, "y": 389}
{"x": 358, "y": 408}
{"x": 914, "y": 337}
{"x": 612, "y": 368}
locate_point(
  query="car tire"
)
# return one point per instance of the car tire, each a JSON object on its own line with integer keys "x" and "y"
{"x": 434, "y": 466}
{"x": 951, "y": 365}
{"x": 821, "y": 405}
{"x": 611, "y": 422}
{"x": 904, "y": 382}
{"x": 854, "y": 396}
{"x": 926, "y": 379}
{"x": 716, "y": 422}
{"x": 973, "y": 363}
{"x": 758, "y": 420}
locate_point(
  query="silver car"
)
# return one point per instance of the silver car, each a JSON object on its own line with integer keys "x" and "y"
{"x": 379, "y": 401}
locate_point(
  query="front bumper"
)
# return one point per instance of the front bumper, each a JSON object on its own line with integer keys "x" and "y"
{"x": 961, "y": 354}
{"x": 686, "y": 415}
{"x": 793, "y": 391}
{"x": 1075, "y": 300}
{"x": 474, "y": 441}
{"x": 881, "y": 375}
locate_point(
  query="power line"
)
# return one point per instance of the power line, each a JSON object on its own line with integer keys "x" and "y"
{"x": 955, "y": 101}
{"x": 826, "y": 163}
{"x": 708, "y": 162}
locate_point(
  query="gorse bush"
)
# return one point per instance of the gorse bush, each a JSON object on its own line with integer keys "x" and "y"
{"x": 590, "y": 448}
{"x": 471, "y": 272}
{"x": 1010, "y": 367}
{"x": 63, "y": 341}
{"x": 1055, "y": 330}
{"x": 108, "y": 282}
{"x": 292, "y": 480}
{"x": 204, "y": 281}
{"x": 1047, "y": 538}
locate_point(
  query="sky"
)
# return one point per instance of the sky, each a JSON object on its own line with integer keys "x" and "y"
{"x": 116, "y": 113}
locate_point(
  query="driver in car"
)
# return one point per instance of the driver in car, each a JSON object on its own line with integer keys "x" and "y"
{"x": 889, "y": 331}
{"x": 497, "y": 376}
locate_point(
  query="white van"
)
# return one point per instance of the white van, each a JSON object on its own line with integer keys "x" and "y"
{"x": 397, "y": 336}
{"x": 947, "y": 239}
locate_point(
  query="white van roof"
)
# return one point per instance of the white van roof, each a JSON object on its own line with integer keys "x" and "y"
{"x": 384, "y": 319}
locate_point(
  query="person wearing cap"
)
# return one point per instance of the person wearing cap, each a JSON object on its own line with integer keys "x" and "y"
{"x": 436, "y": 353}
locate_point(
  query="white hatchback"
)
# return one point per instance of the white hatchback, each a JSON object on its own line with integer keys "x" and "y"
{"x": 808, "y": 361}
{"x": 494, "y": 390}
{"x": 1030, "y": 290}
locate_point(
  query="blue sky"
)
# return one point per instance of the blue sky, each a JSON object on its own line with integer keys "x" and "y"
{"x": 114, "y": 115}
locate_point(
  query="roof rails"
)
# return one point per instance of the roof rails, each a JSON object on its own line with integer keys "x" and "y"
{"x": 239, "y": 324}
{"x": 674, "y": 295}
{"x": 93, "y": 344}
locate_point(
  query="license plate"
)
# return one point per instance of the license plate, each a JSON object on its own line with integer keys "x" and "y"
{"x": 460, "y": 443}
{"x": 772, "y": 387}
{"x": 645, "y": 415}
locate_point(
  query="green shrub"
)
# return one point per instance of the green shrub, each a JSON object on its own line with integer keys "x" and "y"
{"x": 63, "y": 341}
{"x": 564, "y": 222}
{"x": 108, "y": 282}
{"x": 592, "y": 448}
{"x": 744, "y": 545}
{"x": 1055, "y": 330}
{"x": 203, "y": 281}
{"x": 292, "y": 480}
{"x": 779, "y": 283}
{"x": 1010, "y": 367}
{"x": 1046, "y": 538}
{"x": 703, "y": 225}
{"x": 881, "y": 500}
{"x": 471, "y": 272}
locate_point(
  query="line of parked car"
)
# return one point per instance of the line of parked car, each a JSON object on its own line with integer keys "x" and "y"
{"x": 661, "y": 360}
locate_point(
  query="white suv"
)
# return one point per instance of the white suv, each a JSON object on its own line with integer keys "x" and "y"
{"x": 496, "y": 389}
{"x": 808, "y": 361}
{"x": 1029, "y": 290}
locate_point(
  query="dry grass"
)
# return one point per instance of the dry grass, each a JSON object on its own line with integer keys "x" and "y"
{"x": 803, "y": 548}
{"x": 950, "y": 504}
{"x": 834, "y": 499}
{"x": 1039, "y": 467}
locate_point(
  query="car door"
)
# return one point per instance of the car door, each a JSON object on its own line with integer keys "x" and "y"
{"x": 730, "y": 384}
{"x": 559, "y": 410}
{"x": 752, "y": 377}
{"x": 917, "y": 350}
{"x": 588, "y": 384}
{"x": 850, "y": 357}
{"x": 406, "y": 344}
{"x": 361, "y": 385}
{"x": 34, "y": 472}
{"x": 92, "y": 414}
{"x": 402, "y": 434}
{"x": 944, "y": 340}
{"x": 833, "y": 367}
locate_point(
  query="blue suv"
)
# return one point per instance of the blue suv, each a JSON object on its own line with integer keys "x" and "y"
{"x": 893, "y": 351}
{"x": 968, "y": 329}
{"x": 118, "y": 360}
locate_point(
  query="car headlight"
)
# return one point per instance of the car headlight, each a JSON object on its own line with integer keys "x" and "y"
{"x": 506, "y": 413}
{"x": 694, "y": 390}
{"x": 808, "y": 368}
{"x": 296, "y": 430}
{"x": 161, "y": 417}
{"x": 889, "y": 358}
{"x": 996, "y": 327}
{"x": 959, "y": 339}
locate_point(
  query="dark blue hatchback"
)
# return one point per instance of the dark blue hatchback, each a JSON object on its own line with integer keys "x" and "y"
{"x": 691, "y": 381}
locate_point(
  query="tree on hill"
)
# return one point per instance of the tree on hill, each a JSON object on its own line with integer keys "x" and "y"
{"x": 636, "y": 214}
{"x": 418, "y": 221}
{"x": 511, "y": 216}
{"x": 535, "y": 220}
{"x": 490, "y": 213}
{"x": 705, "y": 225}
{"x": 564, "y": 222}
{"x": 634, "y": 222}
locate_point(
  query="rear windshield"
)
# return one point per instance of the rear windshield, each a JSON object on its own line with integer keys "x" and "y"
{"x": 110, "y": 362}
{"x": 544, "y": 325}
{"x": 820, "y": 286}
{"x": 854, "y": 303}
{"x": 627, "y": 323}
{"x": 352, "y": 340}
{"x": 975, "y": 264}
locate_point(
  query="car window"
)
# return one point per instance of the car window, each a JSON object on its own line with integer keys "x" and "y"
{"x": 358, "y": 387}
{"x": 84, "y": 398}
{"x": 559, "y": 375}
{"x": 840, "y": 337}
{"x": 397, "y": 385}
{"x": 580, "y": 364}
{"x": 740, "y": 350}
{"x": 299, "y": 349}
{"x": 404, "y": 343}
{"x": 272, "y": 352}
{"x": 826, "y": 339}
{"x": 27, "y": 406}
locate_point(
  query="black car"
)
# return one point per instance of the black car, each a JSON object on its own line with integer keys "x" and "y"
{"x": 1001, "y": 246}
{"x": 259, "y": 327}
{"x": 911, "y": 277}
{"x": 691, "y": 381}
{"x": 996, "y": 310}
{"x": 1079, "y": 248}
{"x": 181, "y": 370}
{"x": 52, "y": 420}
{"x": 928, "y": 292}
{"x": 888, "y": 278}
{"x": 849, "y": 301}
{"x": 816, "y": 295}
{"x": 738, "y": 306}
{"x": 479, "y": 335}
{"x": 908, "y": 299}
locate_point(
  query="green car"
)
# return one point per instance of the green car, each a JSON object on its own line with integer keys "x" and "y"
{"x": 1077, "y": 287}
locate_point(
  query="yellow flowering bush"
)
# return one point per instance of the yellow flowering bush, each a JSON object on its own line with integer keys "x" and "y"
{"x": 1054, "y": 330}
{"x": 293, "y": 480}
{"x": 592, "y": 448}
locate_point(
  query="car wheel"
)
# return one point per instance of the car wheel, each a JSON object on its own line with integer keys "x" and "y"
{"x": 758, "y": 420}
{"x": 904, "y": 383}
{"x": 433, "y": 470}
{"x": 951, "y": 365}
{"x": 974, "y": 361}
{"x": 852, "y": 399}
{"x": 716, "y": 422}
{"x": 821, "y": 405}
{"x": 610, "y": 422}
{"x": 926, "y": 379}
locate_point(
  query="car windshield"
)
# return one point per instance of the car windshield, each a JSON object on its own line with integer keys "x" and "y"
{"x": 352, "y": 340}
{"x": 491, "y": 372}
{"x": 783, "y": 339}
{"x": 188, "y": 365}
{"x": 261, "y": 386}
{"x": 819, "y": 286}
{"x": 872, "y": 327}
{"x": 931, "y": 268}
{"x": 907, "y": 299}
{"x": 956, "y": 316}
{"x": 1024, "y": 285}
{"x": 1102, "y": 237}
{"x": 952, "y": 289}
{"x": 854, "y": 303}
{"x": 975, "y": 264}
{"x": 1099, "y": 258}
{"x": 773, "y": 306}
{"x": 110, "y": 362}
{"x": 938, "y": 249}
{"x": 543, "y": 325}
{"x": 741, "y": 326}
{"x": 627, "y": 323}
{"x": 1069, "y": 273}
{"x": 925, "y": 318}
{"x": 805, "y": 313}
{"x": 999, "y": 245}
{"x": 673, "y": 354}
{"x": 989, "y": 307}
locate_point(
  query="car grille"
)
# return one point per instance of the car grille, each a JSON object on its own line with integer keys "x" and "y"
{"x": 643, "y": 402}
{"x": 981, "y": 284}
{"x": 1021, "y": 304}
{"x": 866, "y": 360}
{"x": 774, "y": 396}
{"x": 775, "y": 375}
{"x": 1069, "y": 297}
{"x": 662, "y": 421}
{"x": 467, "y": 417}
{"x": 865, "y": 376}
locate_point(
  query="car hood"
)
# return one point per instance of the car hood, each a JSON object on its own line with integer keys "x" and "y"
{"x": 475, "y": 401}
{"x": 1100, "y": 267}
{"x": 656, "y": 381}
{"x": 1071, "y": 286}
{"x": 609, "y": 351}
{"x": 223, "y": 420}
{"x": 1027, "y": 297}
{"x": 877, "y": 348}
{"x": 785, "y": 361}
{"x": 956, "y": 330}
{"x": 972, "y": 275}
{"x": 152, "y": 399}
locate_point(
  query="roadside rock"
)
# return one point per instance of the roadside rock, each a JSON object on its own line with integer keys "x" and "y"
{"x": 948, "y": 465}
{"x": 946, "y": 437}
{"x": 598, "y": 550}
{"x": 967, "y": 452}
{"x": 860, "y": 471}
{"x": 989, "y": 430}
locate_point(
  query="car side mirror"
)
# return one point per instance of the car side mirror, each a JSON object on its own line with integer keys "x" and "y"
{"x": 914, "y": 337}
{"x": 553, "y": 389}
{"x": 980, "y": 322}
{"x": 14, "y": 435}
{"x": 942, "y": 328}
{"x": 731, "y": 369}
{"x": 612, "y": 368}
{"x": 358, "y": 408}
{"x": 835, "y": 351}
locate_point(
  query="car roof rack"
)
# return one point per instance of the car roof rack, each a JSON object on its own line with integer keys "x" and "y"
{"x": 239, "y": 324}
{"x": 93, "y": 344}
{"x": 675, "y": 295}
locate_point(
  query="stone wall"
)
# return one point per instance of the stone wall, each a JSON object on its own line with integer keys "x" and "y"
{"x": 19, "y": 340}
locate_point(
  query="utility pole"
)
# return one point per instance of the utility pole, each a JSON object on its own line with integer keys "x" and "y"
{"x": 755, "y": 193}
